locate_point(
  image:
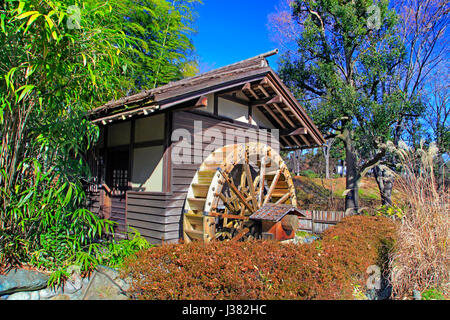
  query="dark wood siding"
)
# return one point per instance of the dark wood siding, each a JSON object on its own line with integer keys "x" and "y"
{"x": 158, "y": 215}
{"x": 154, "y": 216}
{"x": 118, "y": 213}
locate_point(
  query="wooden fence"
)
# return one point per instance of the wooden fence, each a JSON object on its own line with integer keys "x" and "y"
{"x": 319, "y": 221}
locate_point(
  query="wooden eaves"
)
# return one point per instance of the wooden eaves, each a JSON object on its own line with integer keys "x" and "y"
{"x": 259, "y": 87}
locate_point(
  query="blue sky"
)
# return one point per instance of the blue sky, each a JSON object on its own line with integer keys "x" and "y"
{"x": 232, "y": 30}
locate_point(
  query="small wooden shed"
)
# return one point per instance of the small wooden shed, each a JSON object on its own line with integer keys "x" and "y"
{"x": 278, "y": 220}
{"x": 193, "y": 159}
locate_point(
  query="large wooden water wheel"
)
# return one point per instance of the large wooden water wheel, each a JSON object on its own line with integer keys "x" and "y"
{"x": 230, "y": 185}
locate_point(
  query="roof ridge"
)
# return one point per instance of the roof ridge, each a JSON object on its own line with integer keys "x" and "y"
{"x": 260, "y": 56}
{"x": 151, "y": 92}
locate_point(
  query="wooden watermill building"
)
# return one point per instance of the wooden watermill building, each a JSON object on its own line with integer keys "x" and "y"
{"x": 138, "y": 182}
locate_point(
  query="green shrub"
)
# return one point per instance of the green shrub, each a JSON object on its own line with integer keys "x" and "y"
{"x": 45, "y": 225}
{"x": 391, "y": 211}
{"x": 303, "y": 234}
{"x": 328, "y": 269}
{"x": 115, "y": 252}
{"x": 309, "y": 173}
{"x": 432, "y": 294}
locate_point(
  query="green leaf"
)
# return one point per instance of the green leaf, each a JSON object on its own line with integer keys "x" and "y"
{"x": 27, "y": 14}
{"x": 92, "y": 75}
{"x": 20, "y": 7}
{"x": 49, "y": 21}
{"x": 25, "y": 90}
{"x": 2, "y": 22}
{"x": 8, "y": 78}
{"x": 24, "y": 199}
{"x": 68, "y": 195}
{"x": 33, "y": 18}
{"x": 37, "y": 169}
{"x": 51, "y": 13}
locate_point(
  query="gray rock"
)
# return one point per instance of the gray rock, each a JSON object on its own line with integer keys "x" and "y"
{"x": 85, "y": 281}
{"x": 34, "y": 295}
{"x": 77, "y": 295}
{"x": 106, "y": 285}
{"x": 73, "y": 285}
{"x": 384, "y": 293}
{"x": 20, "y": 296}
{"x": 22, "y": 280}
{"x": 47, "y": 293}
{"x": 110, "y": 272}
{"x": 123, "y": 284}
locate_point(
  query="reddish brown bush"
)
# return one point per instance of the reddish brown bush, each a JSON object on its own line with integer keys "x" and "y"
{"x": 324, "y": 269}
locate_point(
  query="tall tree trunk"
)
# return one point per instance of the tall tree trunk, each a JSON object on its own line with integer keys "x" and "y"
{"x": 294, "y": 162}
{"x": 352, "y": 175}
{"x": 385, "y": 181}
{"x": 342, "y": 164}
{"x": 440, "y": 171}
{"x": 297, "y": 161}
{"x": 326, "y": 153}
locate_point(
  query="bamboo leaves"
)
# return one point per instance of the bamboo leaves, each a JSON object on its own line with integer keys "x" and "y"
{"x": 27, "y": 14}
{"x": 161, "y": 31}
{"x": 44, "y": 220}
{"x": 9, "y": 79}
{"x": 32, "y": 19}
{"x": 56, "y": 62}
{"x": 24, "y": 90}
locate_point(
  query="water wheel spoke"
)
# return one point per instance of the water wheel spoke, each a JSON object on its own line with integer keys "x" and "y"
{"x": 284, "y": 198}
{"x": 226, "y": 201}
{"x": 243, "y": 180}
{"x": 262, "y": 176}
{"x": 251, "y": 186}
{"x": 227, "y": 216}
{"x": 220, "y": 202}
{"x": 256, "y": 185}
{"x": 235, "y": 203}
{"x": 272, "y": 186}
{"x": 235, "y": 190}
{"x": 240, "y": 234}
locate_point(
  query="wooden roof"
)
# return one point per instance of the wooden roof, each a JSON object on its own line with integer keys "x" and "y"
{"x": 251, "y": 82}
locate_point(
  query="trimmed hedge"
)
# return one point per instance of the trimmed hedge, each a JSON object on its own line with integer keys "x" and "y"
{"x": 325, "y": 269}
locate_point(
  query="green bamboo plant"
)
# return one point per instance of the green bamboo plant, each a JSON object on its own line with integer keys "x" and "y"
{"x": 57, "y": 60}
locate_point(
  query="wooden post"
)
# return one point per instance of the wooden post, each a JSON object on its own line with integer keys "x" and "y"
{"x": 167, "y": 154}
{"x": 216, "y": 104}
{"x": 131, "y": 151}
